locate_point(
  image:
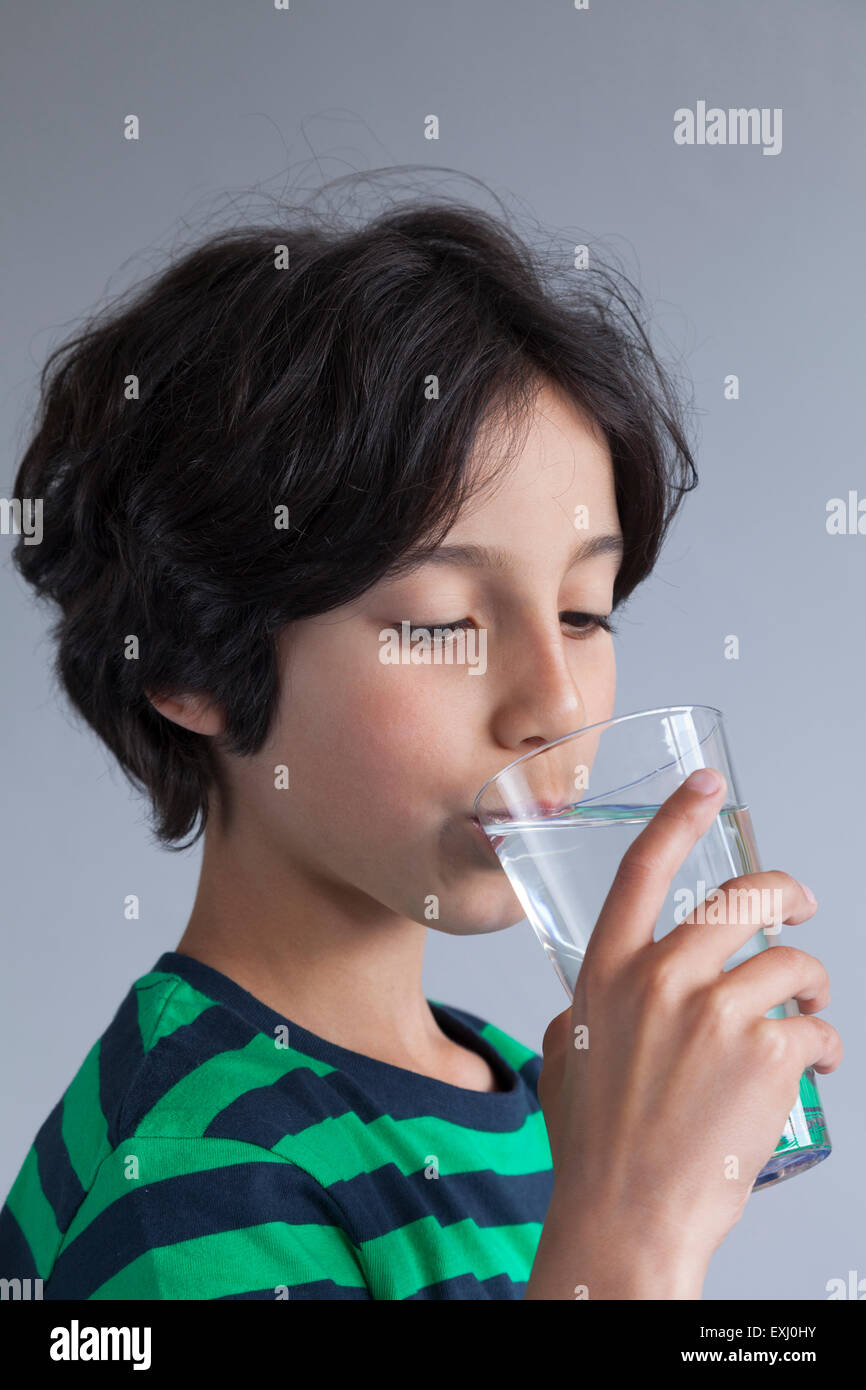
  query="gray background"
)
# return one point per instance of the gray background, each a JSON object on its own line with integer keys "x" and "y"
{"x": 750, "y": 264}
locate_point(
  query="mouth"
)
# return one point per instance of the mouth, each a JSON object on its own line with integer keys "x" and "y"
{"x": 483, "y": 838}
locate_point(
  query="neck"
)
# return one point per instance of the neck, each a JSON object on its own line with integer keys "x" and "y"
{"x": 317, "y": 951}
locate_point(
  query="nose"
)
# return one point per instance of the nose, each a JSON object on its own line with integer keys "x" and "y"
{"x": 541, "y": 700}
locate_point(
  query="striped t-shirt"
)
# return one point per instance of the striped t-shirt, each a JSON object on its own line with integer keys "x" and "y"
{"x": 209, "y": 1148}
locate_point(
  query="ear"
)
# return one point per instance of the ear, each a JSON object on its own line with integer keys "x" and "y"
{"x": 195, "y": 712}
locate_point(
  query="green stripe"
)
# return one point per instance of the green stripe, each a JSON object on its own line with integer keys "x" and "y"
{"x": 202, "y": 1094}
{"x": 83, "y": 1125}
{"x": 514, "y": 1052}
{"x": 158, "y": 1159}
{"x": 161, "y": 1010}
{"x": 35, "y": 1215}
{"x": 338, "y": 1149}
{"x": 423, "y": 1252}
{"x": 359, "y": 1149}
{"x": 228, "y": 1262}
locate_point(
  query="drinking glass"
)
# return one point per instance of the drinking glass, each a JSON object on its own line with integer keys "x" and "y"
{"x": 560, "y": 834}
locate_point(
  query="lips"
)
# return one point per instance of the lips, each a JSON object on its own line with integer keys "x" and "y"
{"x": 476, "y": 822}
{"x": 490, "y": 842}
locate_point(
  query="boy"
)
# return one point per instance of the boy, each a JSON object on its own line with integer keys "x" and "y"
{"x": 287, "y": 446}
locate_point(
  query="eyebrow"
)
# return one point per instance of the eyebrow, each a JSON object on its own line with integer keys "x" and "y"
{"x": 494, "y": 557}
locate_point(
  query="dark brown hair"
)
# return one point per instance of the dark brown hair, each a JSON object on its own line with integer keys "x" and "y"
{"x": 300, "y": 378}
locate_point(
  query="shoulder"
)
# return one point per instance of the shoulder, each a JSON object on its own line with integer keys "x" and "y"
{"x": 168, "y": 1169}
{"x": 189, "y": 1066}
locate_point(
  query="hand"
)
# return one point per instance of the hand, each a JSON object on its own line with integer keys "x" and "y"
{"x": 684, "y": 1079}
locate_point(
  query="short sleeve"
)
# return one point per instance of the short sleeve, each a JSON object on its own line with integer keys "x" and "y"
{"x": 206, "y": 1218}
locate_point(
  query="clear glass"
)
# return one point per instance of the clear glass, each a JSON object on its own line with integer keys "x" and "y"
{"x": 560, "y": 836}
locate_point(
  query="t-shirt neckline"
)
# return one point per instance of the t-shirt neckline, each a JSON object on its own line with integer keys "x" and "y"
{"x": 389, "y": 1081}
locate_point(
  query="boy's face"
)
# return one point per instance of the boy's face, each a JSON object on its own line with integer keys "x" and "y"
{"x": 385, "y": 758}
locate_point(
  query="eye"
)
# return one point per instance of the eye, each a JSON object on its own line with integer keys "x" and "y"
{"x": 586, "y": 624}
{"x": 446, "y": 627}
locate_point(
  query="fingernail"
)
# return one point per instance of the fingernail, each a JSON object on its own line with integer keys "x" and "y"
{"x": 810, "y": 895}
{"x": 704, "y": 781}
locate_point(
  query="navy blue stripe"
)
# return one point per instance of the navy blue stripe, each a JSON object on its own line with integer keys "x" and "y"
{"x": 59, "y": 1180}
{"x": 266, "y": 1114}
{"x": 467, "y": 1286}
{"x": 121, "y": 1054}
{"x": 185, "y": 1208}
{"x": 300, "y": 1098}
{"x": 177, "y": 1055}
{"x": 321, "y": 1288}
{"x": 386, "y": 1200}
{"x": 530, "y": 1072}
{"x": 16, "y": 1257}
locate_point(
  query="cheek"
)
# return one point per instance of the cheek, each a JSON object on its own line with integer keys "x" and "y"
{"x": 595, "y": 676}
{"x": 372, "y": 741}
{"x": 405, "y": 726}
{"x": 606, "y": 679}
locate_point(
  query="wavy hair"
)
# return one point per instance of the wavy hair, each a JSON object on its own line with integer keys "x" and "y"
{"x": 286, "y": 365}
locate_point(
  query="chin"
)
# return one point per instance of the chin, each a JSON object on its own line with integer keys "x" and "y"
{"x": 478, "y": 913}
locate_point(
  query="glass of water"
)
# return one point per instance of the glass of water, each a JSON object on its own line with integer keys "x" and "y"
{"x": 561, "y": 818}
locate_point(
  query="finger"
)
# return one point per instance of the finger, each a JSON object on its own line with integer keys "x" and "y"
{"x": 637, "y": 894}
{"x": 816, "y": 1041}
{"x": 731, "y": 914}
{"x": 774, "y": 976}
{"x": 557, "y": 1034}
